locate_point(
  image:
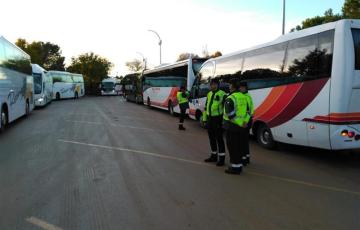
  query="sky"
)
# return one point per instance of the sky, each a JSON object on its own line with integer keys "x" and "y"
{"x": 118, "y": 29}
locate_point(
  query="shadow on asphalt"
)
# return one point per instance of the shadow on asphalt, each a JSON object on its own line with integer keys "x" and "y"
{"x": 343, "y": 158}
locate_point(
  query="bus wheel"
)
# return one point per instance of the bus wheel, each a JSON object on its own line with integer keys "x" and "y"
{"x": 265, "y": 137}
{"x": 27, "y": 108}
{"x": 171, "y": 108}
{"x": 3, "y": 119}
{"x": 57, "y": 96}
{"x": 148, "y": 102}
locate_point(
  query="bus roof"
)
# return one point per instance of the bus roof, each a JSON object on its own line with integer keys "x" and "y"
{"x": 58, "y": 72}
{"x": 111, "y": 80}
{"x": 63, "y": 72}
{"x": 293, "y": 35}
{"x": 37, "y": 69}
{"x": 15, "y": 46}
{"x": 173, "y": 65}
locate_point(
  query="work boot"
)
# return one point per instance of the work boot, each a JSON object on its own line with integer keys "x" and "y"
{"x": 248, "y": 159}
{"x": 244, "y": 161}
{"x": 181, "y": 127}
{"x": 211, "y": 159}
{"x": 221, "y": 161}
{"x": 234, "y": 170}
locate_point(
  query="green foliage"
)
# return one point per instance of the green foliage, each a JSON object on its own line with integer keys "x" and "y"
{"x": 135, "y": 65}
{"x": 328, "y": 16}
{"x": 185, "y": 56}
{"x": 93, "y": 67}
{"x": 351, "y": 9}
{"x": 216, "y": 54}
{"x": 45, "y": 54}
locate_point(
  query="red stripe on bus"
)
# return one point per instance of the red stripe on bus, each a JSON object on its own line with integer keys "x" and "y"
{"x": 303, "y": 97}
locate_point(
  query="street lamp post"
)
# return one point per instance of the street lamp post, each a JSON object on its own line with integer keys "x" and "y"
{"x": 160, "y": 41}
{"x": 283, "y": 24}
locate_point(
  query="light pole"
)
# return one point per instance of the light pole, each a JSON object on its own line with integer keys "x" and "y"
{"x": 160, "y": 41}
{"x": 143, "y": 59}
{"x": 283, "y": 24}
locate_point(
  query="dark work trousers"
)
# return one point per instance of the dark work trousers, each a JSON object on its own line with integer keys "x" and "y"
{"x": 236, "y": 144}
{"x": 246, "y": 138}
{"x": 183, "y": 108}
{"x": 215, "y": 132}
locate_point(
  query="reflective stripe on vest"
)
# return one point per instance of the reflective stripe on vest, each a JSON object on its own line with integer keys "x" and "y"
{"x": 250, "y": 109}
{"x": 215, "y": 107}
{"x": 181, "y": 99}
{"x": 240, "y": 109}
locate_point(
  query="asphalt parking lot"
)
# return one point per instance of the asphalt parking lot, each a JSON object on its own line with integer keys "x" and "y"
{"x": 103, "y": 163}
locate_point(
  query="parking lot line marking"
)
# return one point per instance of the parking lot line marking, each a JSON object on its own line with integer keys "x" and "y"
{"x": 251, "y": 172}
{"x": 42, "y": 224}
{"x": 130, "y": 127}
{"x": 299, "y": 182}
{"x": 135, "y": 151}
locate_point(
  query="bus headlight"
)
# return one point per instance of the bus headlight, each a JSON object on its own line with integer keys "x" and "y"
{"x": 349, "y": 134}
{"x": 40, "y": 99}
{"x": 344, "y": 133}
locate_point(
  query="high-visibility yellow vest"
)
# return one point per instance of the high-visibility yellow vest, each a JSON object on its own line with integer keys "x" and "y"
{"x": 250, "y": 104}
{"x": 239, "y": 114}
{"x": 181, "y": 99}
{"x": 214, "y": 104}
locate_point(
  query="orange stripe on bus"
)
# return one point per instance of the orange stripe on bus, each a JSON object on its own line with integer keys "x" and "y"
{"x": 269, "y": 101}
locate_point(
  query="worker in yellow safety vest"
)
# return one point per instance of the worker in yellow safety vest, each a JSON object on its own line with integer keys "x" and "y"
{"x": 212, "y": 118}
{"x": 236, "y": 119}
{"x": 183, "y": 99}
{"x": 250, "y": 111}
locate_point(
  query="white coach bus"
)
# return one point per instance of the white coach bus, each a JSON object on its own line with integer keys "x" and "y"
{"x": 43, "y": 85}
{"x": 16, "y": 83}
{"x": 110, "y": 86}
{"x": 160, "y": 85}
{"x": 67, "y": 85}
{"x": 305, "y": 86}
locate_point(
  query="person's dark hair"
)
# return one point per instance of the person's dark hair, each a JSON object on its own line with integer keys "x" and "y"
{"x": 182, "y": 88}
{"x": 235, "y": 83}
{"x": 214, "y": 81}
{"x": 244, "y": 84}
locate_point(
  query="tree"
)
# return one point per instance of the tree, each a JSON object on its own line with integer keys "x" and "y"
{"x": 185, "y": 56}
{"x": 328, "y": 16}
{"x": 93, "y": 67}
{"x": 351, "y": 9}
{"x": 135, "y": 65}
{"x": 216, "y": 54}
{"x": 45, "y": 54}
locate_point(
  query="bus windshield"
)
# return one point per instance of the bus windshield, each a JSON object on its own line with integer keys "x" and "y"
{"x": 196, "y": 67}
{"x": 37, "y": 83}
{"x": 107, "y": 85}
{"x": 197, "y": 63}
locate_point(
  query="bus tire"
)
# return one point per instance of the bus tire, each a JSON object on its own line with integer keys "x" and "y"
{"x": 27, "y": 108}
{"x": 264, "y": 137}
{"x": 148, "y": 102}
{"x": 57, "y": 96}
{"x": 171, "y": 108}
{"x": 198, "y": 115}
{"x": 3, "y": 118}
